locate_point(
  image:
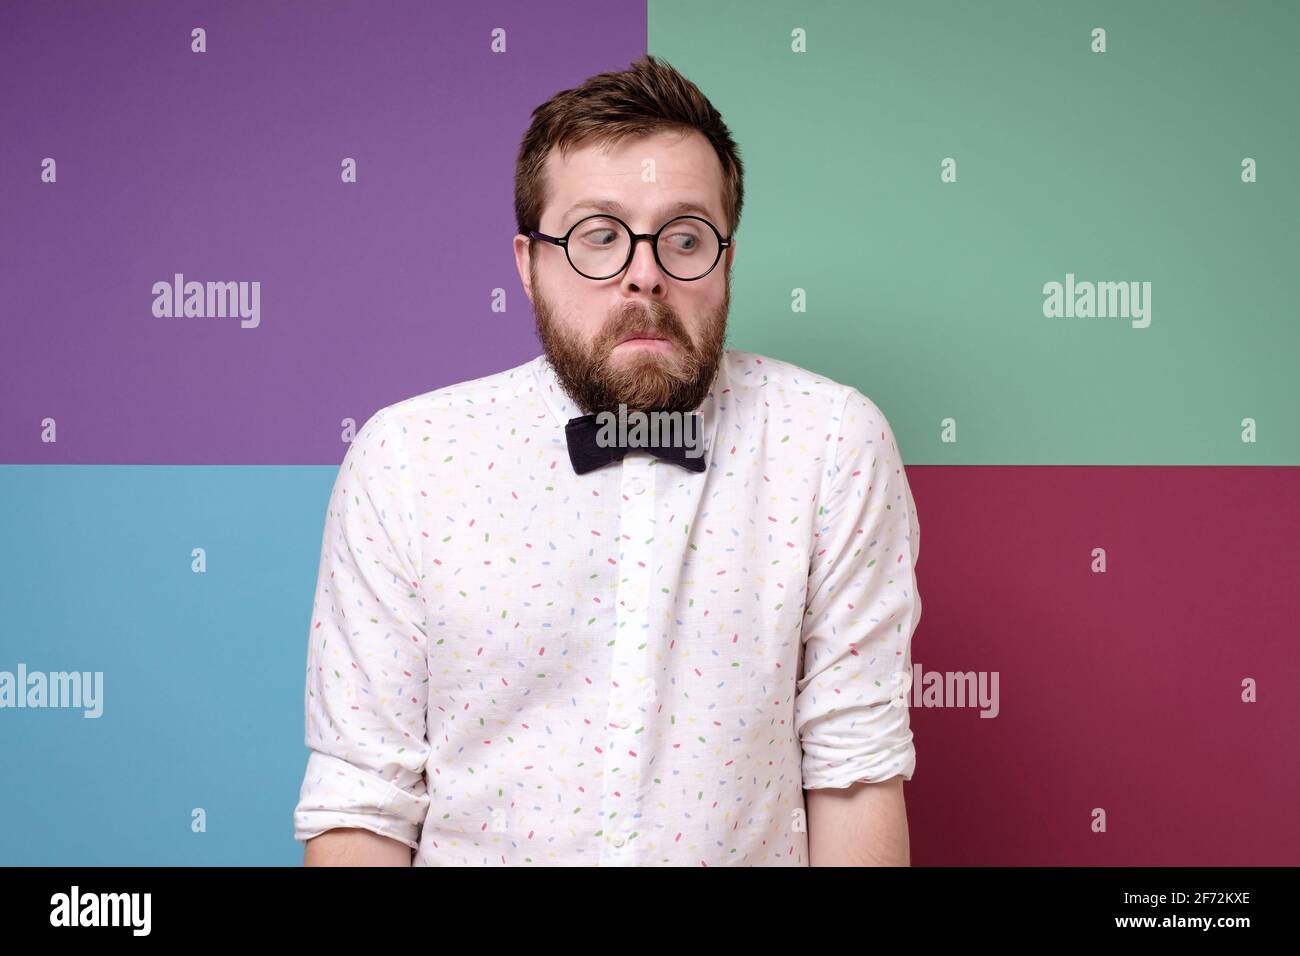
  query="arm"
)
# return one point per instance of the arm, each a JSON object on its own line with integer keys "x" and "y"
{"x": 353, "y": 847}
{"x": 862, "y": 609}
{"x": 367, "y": 671}
{"x": 863, "y": 824}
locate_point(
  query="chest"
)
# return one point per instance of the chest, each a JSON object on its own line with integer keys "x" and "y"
{"x": 546, "y": 588}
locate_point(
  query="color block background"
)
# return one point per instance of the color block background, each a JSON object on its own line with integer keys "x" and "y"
{"x": 1118, "y": 690}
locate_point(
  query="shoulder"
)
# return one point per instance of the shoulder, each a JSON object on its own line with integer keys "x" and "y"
{"x": 459, "y": 402}
{"x": 750, "y": 371}
{"x": 792, "y": 392}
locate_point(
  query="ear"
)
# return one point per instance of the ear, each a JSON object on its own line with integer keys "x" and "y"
{"x": 523, "y": 251}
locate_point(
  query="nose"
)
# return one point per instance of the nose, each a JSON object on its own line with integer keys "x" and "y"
{"x": 643, "y": 273}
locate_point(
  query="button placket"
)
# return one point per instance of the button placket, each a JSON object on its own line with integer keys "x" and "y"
{"x": 629, "y": 663}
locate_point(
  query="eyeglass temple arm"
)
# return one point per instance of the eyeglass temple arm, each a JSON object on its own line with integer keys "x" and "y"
{"x": 558, "y": 240}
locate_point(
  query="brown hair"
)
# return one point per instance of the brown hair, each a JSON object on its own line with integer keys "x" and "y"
{"x": 647, "y": 97}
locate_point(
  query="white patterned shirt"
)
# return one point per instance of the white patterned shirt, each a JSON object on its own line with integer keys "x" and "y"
{"x": 513, "y": 664}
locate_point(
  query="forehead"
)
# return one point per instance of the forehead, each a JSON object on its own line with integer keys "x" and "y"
{"x": 643, "y": 180}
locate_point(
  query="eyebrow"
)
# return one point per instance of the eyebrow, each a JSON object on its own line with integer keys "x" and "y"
{"x": 611, "y": 205}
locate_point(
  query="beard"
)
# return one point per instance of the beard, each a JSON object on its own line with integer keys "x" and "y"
{"x": 645, "y": 380}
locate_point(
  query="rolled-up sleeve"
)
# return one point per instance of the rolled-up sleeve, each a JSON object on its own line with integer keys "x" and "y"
{"x": 367, "y": 673}
{"x": 850, "y": 707}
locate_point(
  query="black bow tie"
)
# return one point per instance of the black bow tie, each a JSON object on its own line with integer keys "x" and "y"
{"x": 588, "y": 455}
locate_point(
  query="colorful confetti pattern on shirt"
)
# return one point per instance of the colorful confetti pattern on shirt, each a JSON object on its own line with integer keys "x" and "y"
{"x": 511, "y": 664}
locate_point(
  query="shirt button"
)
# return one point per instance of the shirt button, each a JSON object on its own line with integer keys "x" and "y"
{"x": 618, "y": 839}
{"x": 638, "y": 487}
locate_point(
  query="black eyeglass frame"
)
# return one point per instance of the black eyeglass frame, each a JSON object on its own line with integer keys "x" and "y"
{"x": 651, "y": 237}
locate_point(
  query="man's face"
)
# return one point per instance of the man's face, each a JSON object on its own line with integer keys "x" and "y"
{"x": 583, "y": 323}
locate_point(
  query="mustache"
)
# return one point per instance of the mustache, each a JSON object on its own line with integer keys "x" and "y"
{"x": 659, "y": 321}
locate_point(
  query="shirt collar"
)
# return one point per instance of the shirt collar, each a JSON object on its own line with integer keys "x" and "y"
{"x": 563, "y": 409}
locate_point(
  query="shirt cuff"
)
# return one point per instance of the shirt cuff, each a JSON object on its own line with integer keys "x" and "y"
{"x": 336, "y": 793}
{"x": 831, "y": 760}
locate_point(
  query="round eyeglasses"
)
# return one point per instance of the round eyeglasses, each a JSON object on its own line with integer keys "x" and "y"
{"x": 601, "y": 246}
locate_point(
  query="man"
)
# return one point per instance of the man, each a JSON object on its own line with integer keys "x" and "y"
{"x": 530, "y": 647}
